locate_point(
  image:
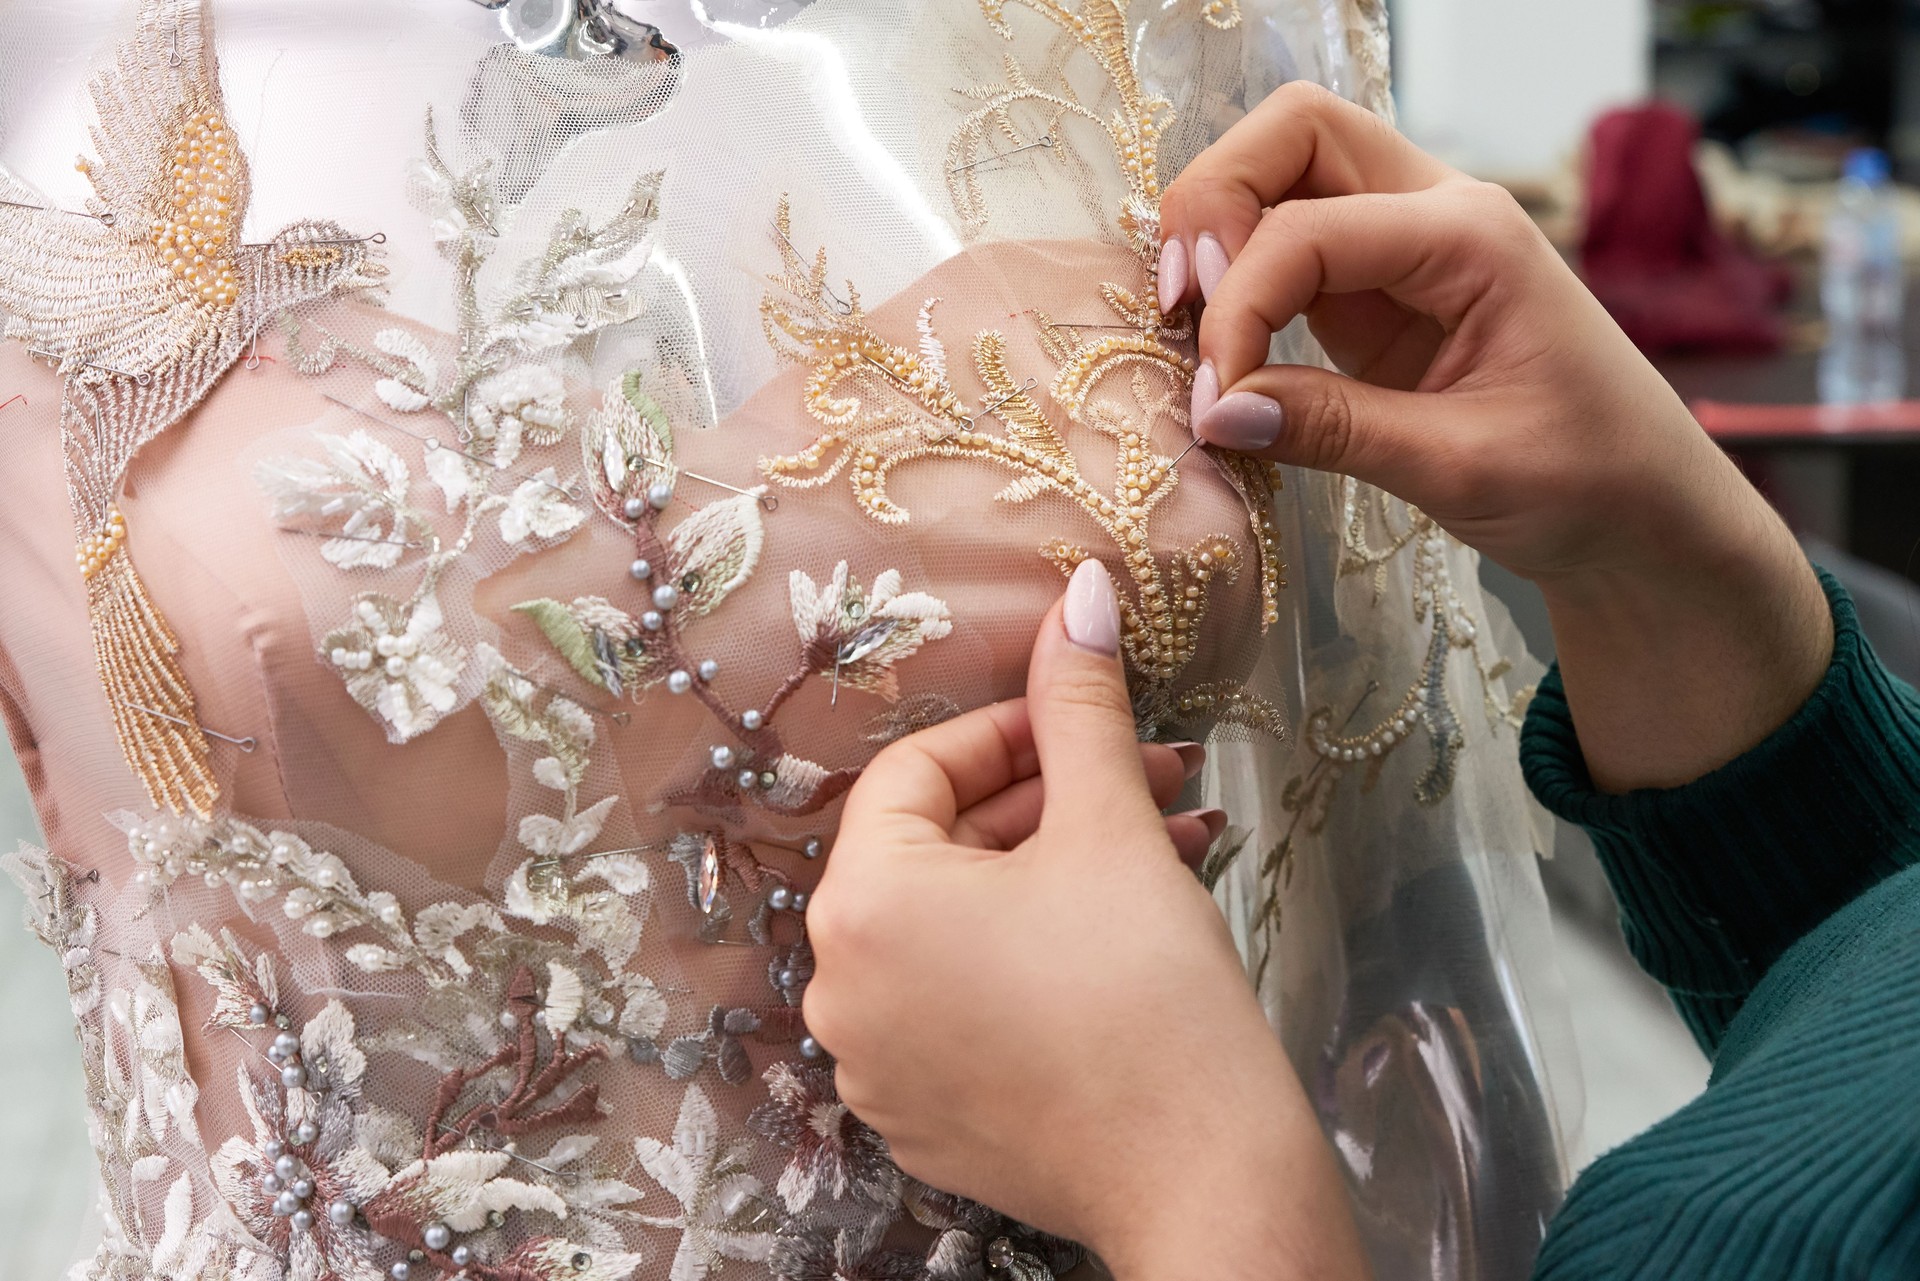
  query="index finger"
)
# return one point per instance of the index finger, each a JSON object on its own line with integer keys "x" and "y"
{"x": 1303, "y": 141}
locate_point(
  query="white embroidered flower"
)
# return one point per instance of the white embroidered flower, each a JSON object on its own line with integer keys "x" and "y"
{"x": 357, "y": 493}
{"x": 855, "y": 635}
{"x": 526, "y": 402}
{"x": 538, "y": 508}
{"x": 723, "y": 1213}
{"x": 407, "y": 392}
{"x": 398, "y": 663}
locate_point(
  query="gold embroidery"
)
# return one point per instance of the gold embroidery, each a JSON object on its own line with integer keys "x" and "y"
{"x": 142, "y": 305}
{"x": 885, "y": 404}
{"x": 1223, "y": 14}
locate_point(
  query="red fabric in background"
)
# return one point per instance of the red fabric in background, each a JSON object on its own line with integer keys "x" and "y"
{"x": 1651, "y": 252}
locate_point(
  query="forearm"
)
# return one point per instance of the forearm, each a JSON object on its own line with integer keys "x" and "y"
{"x": 1680, "y": 659}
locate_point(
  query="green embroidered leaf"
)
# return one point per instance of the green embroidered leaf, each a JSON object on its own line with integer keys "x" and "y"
{"x": 652, "y": 417}
{"x": 568, "y": 635}
{"x": 714, "y": 551}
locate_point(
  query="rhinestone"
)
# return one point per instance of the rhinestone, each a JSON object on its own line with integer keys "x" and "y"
{"x": 416, "y": 1256}
{"x": 640, "y": 570}
{"x": 708, "y": 669}
{"x": 722, "y": 756}
{"x": 495, "y": 1219}
{"x": 582, "y": 1261}
{"x": 769, "y": 780}
{"x": 1000, "y": 1253}
{"x": 751, "y": 719}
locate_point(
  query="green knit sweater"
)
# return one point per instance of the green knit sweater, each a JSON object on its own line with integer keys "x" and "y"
{"x": 1778, "y": 899}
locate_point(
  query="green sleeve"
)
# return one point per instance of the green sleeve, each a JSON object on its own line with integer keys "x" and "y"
{"x": 1717, "y": 878}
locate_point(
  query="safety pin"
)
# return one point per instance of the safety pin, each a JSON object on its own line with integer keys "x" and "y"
{"x": 767, "y": 501}
{"x": 1044, "y": 140}
{"x": 104, "y": 219}
{"x": 840, "y": 304}
{"x": 411, "y": 544}
{"x": 434, "y": 442}
{"x": 247, "y": 744}
{"x": 142, "y": 378}
{"x": 19, "y": 396}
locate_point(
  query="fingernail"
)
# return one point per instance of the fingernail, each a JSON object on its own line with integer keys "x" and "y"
{"x": 1216, "y": 821}
{"x": 1210, "y": 263}
{"x": 1193, "y": 757}
{"x": 1173, "y": 274}
{"x": 1242, "y": 420}
{"x": 1093, "y": 612}
{"x": 1206, "y": 391}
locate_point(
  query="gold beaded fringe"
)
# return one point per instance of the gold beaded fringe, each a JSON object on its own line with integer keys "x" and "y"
{"x": 153, "y": 709}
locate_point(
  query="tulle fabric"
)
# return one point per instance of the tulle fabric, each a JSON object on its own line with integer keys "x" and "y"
{"x": 1394, "y": 925}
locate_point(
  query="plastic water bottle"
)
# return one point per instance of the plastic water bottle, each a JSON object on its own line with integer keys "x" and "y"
{"x": 1863, "y": 289}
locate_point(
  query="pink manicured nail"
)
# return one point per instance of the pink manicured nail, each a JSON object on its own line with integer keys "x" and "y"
{"x": 1243, "y": 420}
{"x": 1093, "y": 612}
{"x": 1216, "y": 821}
{"x": 1193, "y": 757}
{"x": 1210, "y": 263}
{"x": 1173, "y": 274}
{"x": 1206, "y": 391}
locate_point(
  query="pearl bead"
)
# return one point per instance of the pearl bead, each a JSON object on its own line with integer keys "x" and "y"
{"x": 641, "y": 569}
{"x": 810, "y": 1048}
{"x": 276, "y": 1054}
{"x": 286, "y": 1203}
{"x": 679, "y": 682}
{"x": 660, "y": 495}
{"x": 341, "y": 1212}
{"x": 708, "y": 669}
{"x": 294, "y": 1076}
{"x": 303, "y": 1220}
{"x": 273, "y": 1148}
{"x": 722, "y": 756}
{"x": 302, "y": 1188}
{"x": 287, "y": 1043}
{"x": 813, "y": 848}
{"x": 461, "y": 1256}
{"x": 788, "y": 978}
{"x": 400, "y": 1271}
{"x": 438, "y": 1236}
{"x": 287, "y": 1165}
{"x": 752, "y": 719}
{"x": 635, "y": 508}
{"x": 780, "y": 898}
{"x": 666, "y": 596}
{"x": 746, "y": 778}
{"x": 652, "y": 621}
{"x": 270, "y": 1183}
{"x": 509, "y": 1020}
{"x": 800, "y": 900}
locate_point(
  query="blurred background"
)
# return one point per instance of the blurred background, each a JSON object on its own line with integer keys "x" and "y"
{"x": 1729, "y": 176}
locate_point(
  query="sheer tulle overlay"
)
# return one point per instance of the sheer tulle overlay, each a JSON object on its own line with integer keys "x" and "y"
{"x": 493, "y": 571}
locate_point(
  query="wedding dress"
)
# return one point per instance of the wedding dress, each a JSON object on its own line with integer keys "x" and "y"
{"x": 472, "y": 510}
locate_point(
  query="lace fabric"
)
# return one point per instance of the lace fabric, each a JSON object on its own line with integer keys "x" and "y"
{"x": 717, "y": 421}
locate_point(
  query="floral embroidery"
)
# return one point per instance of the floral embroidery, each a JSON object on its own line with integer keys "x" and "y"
{"x": 866, "y": 632}
{"x": 723, "y": 1212}
{"x": 397, "y": 662}
{"x": 835, "y": 1154}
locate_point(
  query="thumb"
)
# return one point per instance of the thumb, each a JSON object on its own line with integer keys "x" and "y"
{"x": 1309, "y": 417}
{"x": 1082, "y": 717}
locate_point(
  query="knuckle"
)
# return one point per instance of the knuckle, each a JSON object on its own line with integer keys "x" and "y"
{"x": 1326, "y": 424}
{"x": 1488, "y": 213}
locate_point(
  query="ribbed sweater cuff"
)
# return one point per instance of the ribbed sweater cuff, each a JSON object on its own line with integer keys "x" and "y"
{"x": 1717, "y": 878}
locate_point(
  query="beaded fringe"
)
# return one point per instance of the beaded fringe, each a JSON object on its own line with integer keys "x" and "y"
{"x": 153, "y": 708}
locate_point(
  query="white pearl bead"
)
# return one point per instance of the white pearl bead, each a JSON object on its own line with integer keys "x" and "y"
{"x": 679, "y": 682}
{"x": 641, "y": 570}
{"x": 660, "y": 495}
{"x": 752, "y": 719}
{"x": 722, "y": 757}
{"x": 666, "y": 596}
{"x": 709, "y": 669}
{"x": 652, "y": 621}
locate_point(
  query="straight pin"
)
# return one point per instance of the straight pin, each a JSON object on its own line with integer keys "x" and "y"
{"x": 141, "y": 378}
{"x": 434, "y": 442}
{"x": 767, "y": 501}
{"x": 1194, "y": 444}
{"x": 1024, "y": 388}
{"x": 559, "y": 859}
{"x": 840, "y": 304}
{"x": 1045, "y": 140}
{"x": 105, "y": 219}
{"x": 411, "y": 544}
{"x": 512, "y": 1156}
{"x": 247, "y": 744}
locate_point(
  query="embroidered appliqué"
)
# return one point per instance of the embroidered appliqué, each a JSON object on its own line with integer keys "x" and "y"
{"x": 142, "y": 307}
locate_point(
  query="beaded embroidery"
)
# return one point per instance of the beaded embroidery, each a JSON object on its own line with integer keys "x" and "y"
{"x": 142, "y": 305}
{"x": 886, "y": 405}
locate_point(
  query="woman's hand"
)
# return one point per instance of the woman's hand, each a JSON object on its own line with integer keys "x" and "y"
{"x": 1038, "y": 1006}
{"x": 1483, "y": 384}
